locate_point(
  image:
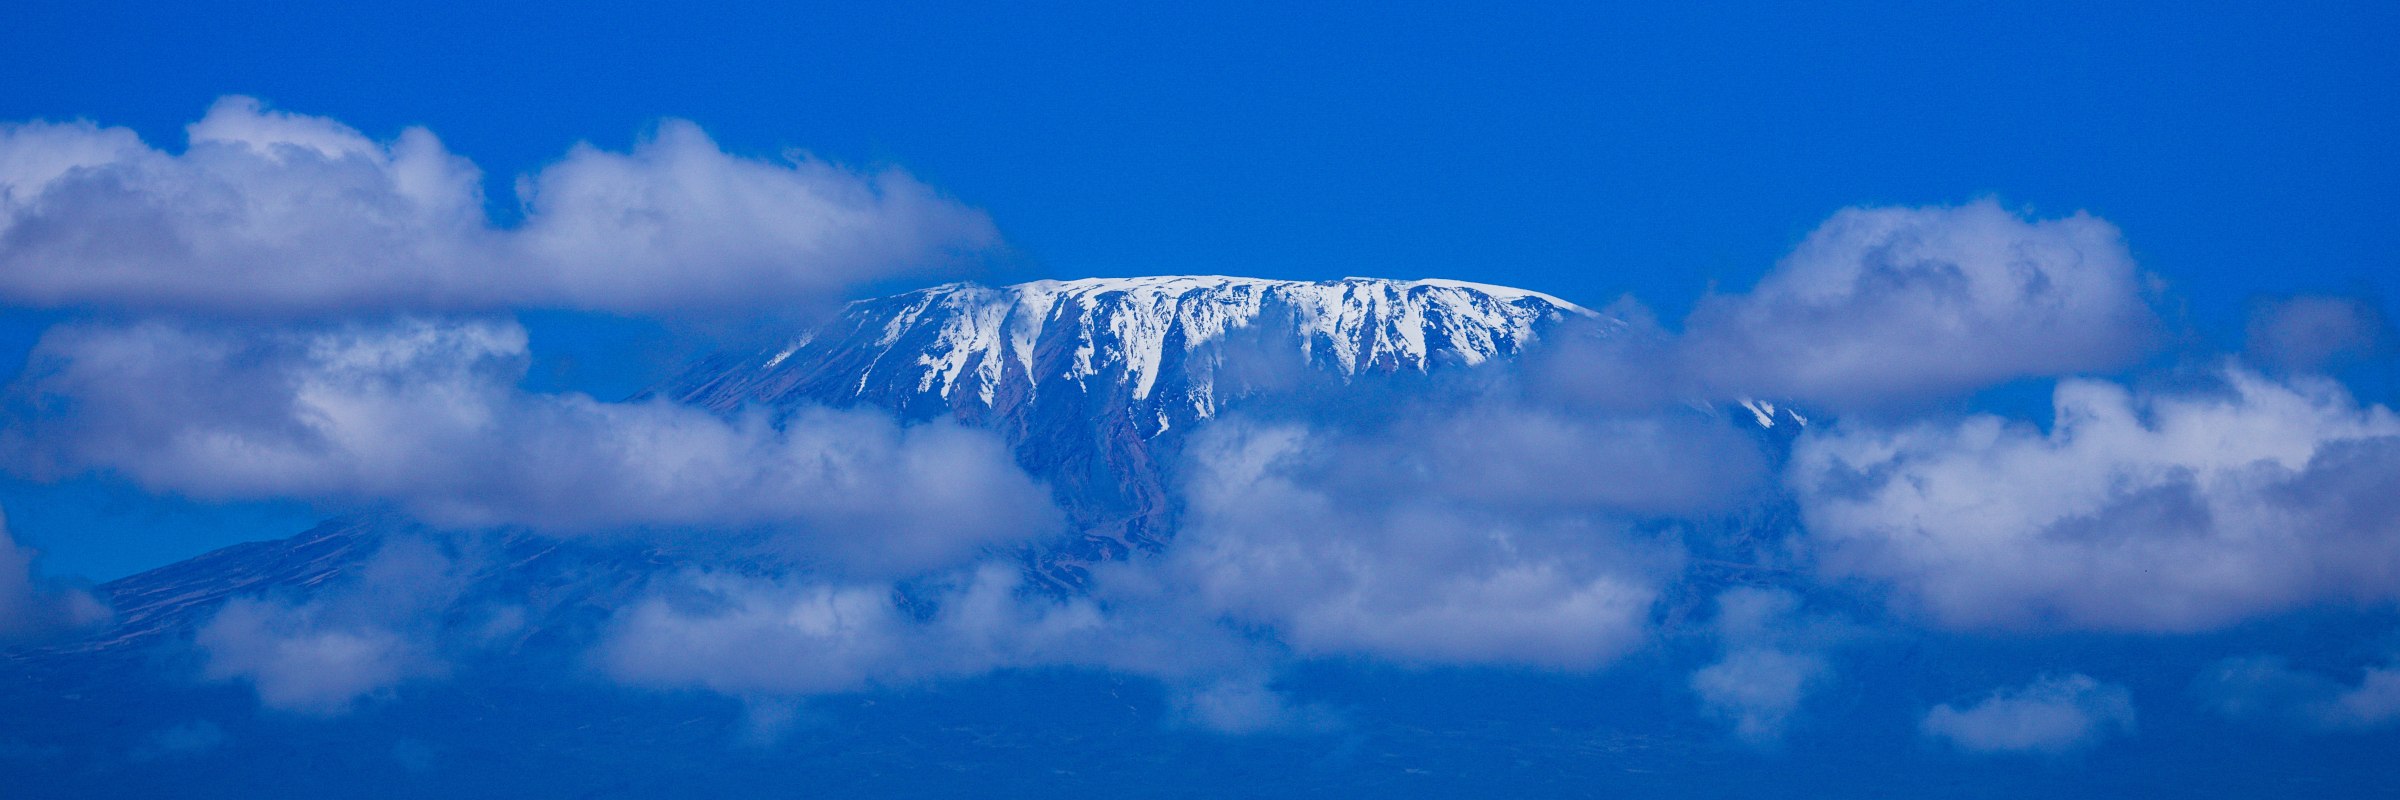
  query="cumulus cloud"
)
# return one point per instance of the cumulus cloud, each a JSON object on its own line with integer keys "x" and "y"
{"x": 1886, "y": 306}
{"x": 1277, "y": 534}
{"x": 2054, "y": 715}
{"x": 272, "y": 212}
{"x": 31, "y": 608}
{"x": 2137, "y": 510}
{"x": 425, "y": 415}
{"x": 2268, "y": 688}
{"x": 322, "y": 654}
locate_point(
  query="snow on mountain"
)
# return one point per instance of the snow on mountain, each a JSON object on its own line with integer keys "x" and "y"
{"x": 971, "y": 344}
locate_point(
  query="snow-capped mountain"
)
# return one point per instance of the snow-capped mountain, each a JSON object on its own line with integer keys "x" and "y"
{"x": 1091, "y": 380}
{"x": 1159, "y": 343}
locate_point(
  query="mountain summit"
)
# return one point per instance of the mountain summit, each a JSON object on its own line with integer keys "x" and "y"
{"x": 1160, "y": 340}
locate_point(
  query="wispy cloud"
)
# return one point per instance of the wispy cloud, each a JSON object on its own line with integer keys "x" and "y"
{"x": 1773, "y": 656}
{"x": 2269, "y": 688}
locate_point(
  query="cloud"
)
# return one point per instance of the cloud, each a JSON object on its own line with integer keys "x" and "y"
{"x": 31, "y": 608}
{"x": 1772, "y": 660}
{"x": 1758, "y": 689}
{"x": 2266, "y": 687}
{"x": 1286, "y": 549}
{"x": 1534, "y": 459}
{"x": 267, "y": 212}
{"x": 1247, "y": 705}
{"x": 1278, "y": 533}
{"x": 2051, "y": 716}
{"x": 2311, "y": 332}
{"x": 1888, "y": 306}
{"x": 322, "y": 654}
{"x": 769, "y": 638}
{"x": 772, "y": 640}
{"x": 2136, "y": 511}
{"x": 300, "y": 664}
{"x": 425, "y": 415}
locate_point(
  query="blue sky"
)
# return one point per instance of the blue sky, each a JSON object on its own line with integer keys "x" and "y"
{"x": 2092, "y": 302}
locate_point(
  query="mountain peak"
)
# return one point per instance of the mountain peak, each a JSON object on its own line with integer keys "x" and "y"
{"x": 986, "y": 339}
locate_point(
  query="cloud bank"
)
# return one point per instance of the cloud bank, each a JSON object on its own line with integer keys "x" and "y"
{"x": 2138, "y": 510}
{"x": 363, "y": 636}
{"x": 1280, "y": 532}
{"x": 268, "y": 212}
{"x": 426, "y": 416}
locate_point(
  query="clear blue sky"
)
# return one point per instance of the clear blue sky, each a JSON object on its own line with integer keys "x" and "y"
{"x": 1581, "y": 149}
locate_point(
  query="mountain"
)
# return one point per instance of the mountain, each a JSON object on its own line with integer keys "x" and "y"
{"x": 1092, "y": 381}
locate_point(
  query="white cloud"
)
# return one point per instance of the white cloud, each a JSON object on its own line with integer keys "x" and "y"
{"x": 1408, "y": 573}
{"x": 298, "y": 665}
{"x": 1758, "y": 689}
{"x": 277, "y": 213}
{"x": 1887, "y": 306}
{"x": 425, "y": 415}
{"x": 770, "y": 640}
{"x": 2144, "y": 511}
{"x": 1246, "y": 705}
{"x": 2053, "y": 716}
{"x": 1772, "y": 660}
{"x": 798, "y": 634}
{"x": 359, "y": 638}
